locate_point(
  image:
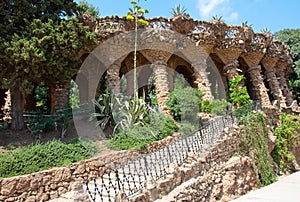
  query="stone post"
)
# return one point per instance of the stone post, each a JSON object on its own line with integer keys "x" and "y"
{"x": 275, "y": 87}
{"x": 260, "y": 90}
{"x": 129, "y": 80}
{"x": 202, "y": 80}
{"x": 231, "y": 70}
{"x": 281, "y": 68}
{"x": 60, "y": 97}
{"x": 161, "y": 83}
{"x": 289, "y": 98}
{"x": 113, "y": 77}
{"x": 171, "y": 73}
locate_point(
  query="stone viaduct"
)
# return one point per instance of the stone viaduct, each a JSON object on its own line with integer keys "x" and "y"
{"x": 207, "y": 54}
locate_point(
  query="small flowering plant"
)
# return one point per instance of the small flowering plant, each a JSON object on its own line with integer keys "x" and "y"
{"x": 137, "y": 13}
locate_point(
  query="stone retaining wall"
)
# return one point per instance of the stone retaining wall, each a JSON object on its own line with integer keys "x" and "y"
{"x": 221, "y": 174}
{"x": 50, "y": 184}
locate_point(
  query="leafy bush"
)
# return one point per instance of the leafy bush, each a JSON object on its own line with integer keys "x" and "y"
{"x": 219, "y": 107}
{"x": 215, "y": 107}
{"x": 139, "y": 136}
{"x": 41, "y": 125}
{"x": 287, "y": 137}
{"x": 255, "y": 144}
{"x": 186, "y": 128}
{"x": 184, "y": 103}
{"x": 238, "y": 95}
{"x": 44, "y": 156}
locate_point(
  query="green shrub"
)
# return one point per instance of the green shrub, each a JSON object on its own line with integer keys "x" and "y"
{"x": 186, "y": 128}
{"x": 255, "y": 144}
{"x": 139, "y": 136}
{"x": 238, "y": 93}
{"x": 39, "y": 125}
{"x": 287, "y": 136}
{"x": 219, "y": 107}
{"x": 184, "y": 103}
{"x": 39, "y": 157}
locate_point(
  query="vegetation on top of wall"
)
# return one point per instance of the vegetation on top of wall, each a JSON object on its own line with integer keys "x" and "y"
{"x": 29, "y": 159}
{"x": 255, "y": 144}
{"x": 287, "y": 134}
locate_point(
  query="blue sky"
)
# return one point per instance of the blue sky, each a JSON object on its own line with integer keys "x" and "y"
{"x": 272, "y": 14}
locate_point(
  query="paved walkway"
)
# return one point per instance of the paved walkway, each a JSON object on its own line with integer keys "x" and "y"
{"x": 284, "y": 190}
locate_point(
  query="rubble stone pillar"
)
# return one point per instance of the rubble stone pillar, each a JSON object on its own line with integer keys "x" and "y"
{"x": 113, "y": 77}
{"x": 129, "y": 79}
{"x": 231, "y": 70}
{"x": 289, "y": 98}
{"x": 161, "y": 83}
{"x": 171, "y": 73}
{"x": 260, "y": 90}
{"x": 60, "y": 97}
{"x": 202, "y": 80}
{"x": 275, "y": 87}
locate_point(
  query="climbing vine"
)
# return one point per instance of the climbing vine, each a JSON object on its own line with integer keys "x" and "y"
{"x": 255, "y": 144}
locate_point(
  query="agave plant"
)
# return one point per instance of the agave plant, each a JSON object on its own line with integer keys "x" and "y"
{"x": 217, "y": 19}
{"x": 179, "y": 11}
{"x": 107, "y": 109}
{"x": 120, "y": 112}
{"x": 135, "y": 111}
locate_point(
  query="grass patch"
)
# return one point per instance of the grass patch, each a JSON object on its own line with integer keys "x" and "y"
{"x": 39, "y": 157}
{"x": 139, "y": 136}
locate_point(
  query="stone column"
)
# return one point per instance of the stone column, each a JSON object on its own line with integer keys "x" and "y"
{"x": 59, "y": 97}
{"x": 260, "y": 90}
{"x": 275, "y": 87}
{"x": 113, "y": 77}
{"x": 171, "y": 73}
{"x": 202, "y": 80}
{"x": 161, "y": 84}
{"x": 129, "y": 80}
{"x": 281, "y": 70}
{"x": 289, "y": 98}
{"x": 231, "y": 70}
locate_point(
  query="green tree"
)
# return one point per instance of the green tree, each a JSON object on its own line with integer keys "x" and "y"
{"x": 292, "y": 38}
{"x": 38, "y": 44}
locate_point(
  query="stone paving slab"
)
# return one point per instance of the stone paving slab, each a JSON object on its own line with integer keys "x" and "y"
{"x": 284, "y": 190}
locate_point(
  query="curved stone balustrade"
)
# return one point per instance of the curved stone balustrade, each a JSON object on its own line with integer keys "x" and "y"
{"x": 258, "y": 43}
{"x": 214, "y": 33}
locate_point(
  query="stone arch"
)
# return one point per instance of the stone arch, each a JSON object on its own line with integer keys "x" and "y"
{"x": 83, "y": 87}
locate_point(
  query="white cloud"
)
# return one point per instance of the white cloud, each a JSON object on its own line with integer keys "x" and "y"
{"x": 209, "y": 8}
{"x": 233, "y": 17}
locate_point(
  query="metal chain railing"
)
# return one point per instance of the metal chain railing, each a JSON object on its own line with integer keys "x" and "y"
{"x": 130, "y": 178}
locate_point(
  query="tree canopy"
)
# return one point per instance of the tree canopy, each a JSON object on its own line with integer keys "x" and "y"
{"x": 292, "y": 38}
{"x": 85, "y": 8}
{"x": 39, "y": 42}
